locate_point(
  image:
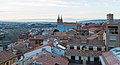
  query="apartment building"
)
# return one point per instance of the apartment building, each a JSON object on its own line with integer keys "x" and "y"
{"x": 112, "y": 32}
{"x": 85, "y": 50}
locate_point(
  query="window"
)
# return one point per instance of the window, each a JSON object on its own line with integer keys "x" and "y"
{"x": 90, "y": 48}
{"x": 1, "y": 45}
{"x": 113, "y": 38}
{"x": 71, "y": 47}
{"x": 35, "y": 42}
{"x": 88, "y": 61}
{"x": 78, "y": 48}
{"x": 98, "y": 49}
{"x": 96, "y": 59}
{"x": 88, "y": 58}
{"x": 81, "y": 61}
{"x": 84, "y": 48}
{"x": 72, "y": 57}
{"x": 7, "y": 63}
{"x": 110, "y": 48}
{"x": 113, "y": 29}
{"x": 56, "y": 64}
{"x": 53, "y": 56}
{"x": 79, "y": 57}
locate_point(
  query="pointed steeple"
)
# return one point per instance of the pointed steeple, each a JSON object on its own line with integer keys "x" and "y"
{"x": 58, "y": 17}
{"x": 61, "y": 20}
{"x": 61, "y": 17}
{"x": 58, "y": 20}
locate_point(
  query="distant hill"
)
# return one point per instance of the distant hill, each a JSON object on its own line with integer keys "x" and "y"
{"x": 96, "y": 21}
{"x": 51, "y": 22}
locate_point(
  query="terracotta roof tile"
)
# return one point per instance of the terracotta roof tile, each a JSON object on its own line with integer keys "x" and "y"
{"x": 100, "y": 32}
{"x": 104, "y": 23}
{"x": 5, "y": 56}
{"x": 93, "y": 28}
{"x": 93, "y": 37}
{"x": 59, "y": 33}
{"x": 51, "y": 59}
{"x": 84, "y": 42}
{"x": 71, "y": 31}
{"x": 110, "y": 59}
{"x": 49, "y": 44}
{"x": 70, "y": 24}
{"x": 72, "y": 52}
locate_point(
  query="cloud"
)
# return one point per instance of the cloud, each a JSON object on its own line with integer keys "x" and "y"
{"x": 43, "y": 8}
{"x": 6, "y": 11}
{"x": 38, "y": 2}
{"x": 53, "y": 3}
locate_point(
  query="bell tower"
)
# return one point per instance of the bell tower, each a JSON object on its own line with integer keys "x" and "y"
{"x": 110, "y": 18}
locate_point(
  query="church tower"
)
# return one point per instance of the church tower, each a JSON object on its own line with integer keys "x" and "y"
{"x": 59, "y": 21}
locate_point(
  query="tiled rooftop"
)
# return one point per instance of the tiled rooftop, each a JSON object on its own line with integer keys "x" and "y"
{"x": 49, "y": 44}
{"x": 71, "y": 31}
{"x": 73, "y": 52}
{"x": 51, "y": 59}
{"x": 110, "y": 59}
{"x": 59, "y": 33}
{"x": 92, "y": 37}
{"x": 5, "y": 56}
{"x": 47, "y": 58}
{"x": 93, "y": 28}
{"x": 100, "y": 32}
{"x": 79, "y": 42}
{"x": 70, "y": 24}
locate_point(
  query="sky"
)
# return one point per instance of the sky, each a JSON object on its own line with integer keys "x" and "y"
{"x": 49, "y": 9}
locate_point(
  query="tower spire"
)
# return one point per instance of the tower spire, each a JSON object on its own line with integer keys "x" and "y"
{"x": 58, "y": 17}
{"x": 61, "y": 17}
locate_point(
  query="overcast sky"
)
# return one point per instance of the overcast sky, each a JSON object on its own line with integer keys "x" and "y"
{"x": 49, "y": 9}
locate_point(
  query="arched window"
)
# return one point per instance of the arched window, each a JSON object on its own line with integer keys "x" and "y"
{"x": 84, "y": 48}
{"x": 56, "y": 64}
{"x": 7, "y": 63}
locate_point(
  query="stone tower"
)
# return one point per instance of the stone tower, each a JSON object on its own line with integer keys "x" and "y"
{"x": 109, "y": 18}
